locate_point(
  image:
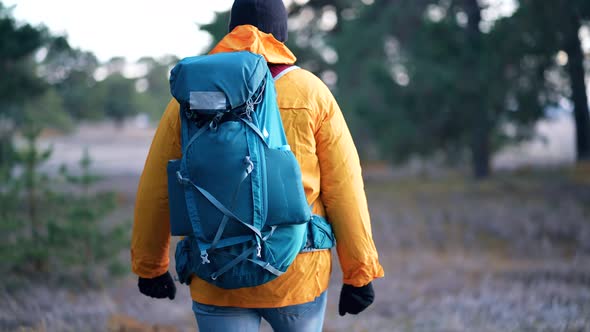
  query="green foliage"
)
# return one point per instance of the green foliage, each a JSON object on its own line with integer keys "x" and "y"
{"x": 316, "y": 23}
{"x": 71, "y": 72}
{"x": 553, "y": 27}
{"x": 118, "y": 97}
{"x": 53, "y": 227}
{"x": 82, "y": 240}
{"x": 218, "y": 27}
{"x": 47, "y": 111}
{"x": 43, "y": 74}
{"x": 433, "y": 86}
{"x": 424, "y": 78}
{"x": 154, "y": 92}
{"x": 18, "y": 43}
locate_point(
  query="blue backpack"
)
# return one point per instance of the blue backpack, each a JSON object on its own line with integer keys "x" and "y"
{"x": 236, "y": 194}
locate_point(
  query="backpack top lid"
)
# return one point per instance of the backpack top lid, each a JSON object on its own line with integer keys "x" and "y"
{"x": 218, "y": 82}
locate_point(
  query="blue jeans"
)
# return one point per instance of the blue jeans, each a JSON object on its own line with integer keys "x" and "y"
{"x": 307, "y": 317}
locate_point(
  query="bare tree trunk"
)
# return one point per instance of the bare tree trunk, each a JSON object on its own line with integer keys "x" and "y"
{"x": 31, "y": 194}
{"x": 480, "y": 122}
{"x": 577, "y": 73}
{"x": 6, "y": 154}
{"x": 480, "y": 150}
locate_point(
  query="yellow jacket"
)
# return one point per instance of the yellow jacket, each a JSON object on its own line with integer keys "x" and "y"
{"x": 331, "y": 173}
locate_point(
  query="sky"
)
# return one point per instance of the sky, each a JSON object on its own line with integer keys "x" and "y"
{"x": 128, "y": 28}
{"x": 136, "y": 28}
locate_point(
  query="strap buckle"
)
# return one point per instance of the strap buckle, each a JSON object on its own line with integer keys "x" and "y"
{"x": 213, "y": 124}
{"x": 181, "y": 179}
{"x": 249, "y": 164}
{"x": 205, "y": 257}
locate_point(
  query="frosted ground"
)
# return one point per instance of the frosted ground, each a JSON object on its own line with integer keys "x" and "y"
{"x": 511, "y": 254}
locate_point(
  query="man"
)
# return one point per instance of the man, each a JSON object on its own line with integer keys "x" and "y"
{"x": 331, "y": 174}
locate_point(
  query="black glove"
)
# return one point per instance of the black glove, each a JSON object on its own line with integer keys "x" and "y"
{"x": 158, "y": 287}
{"x": 355, "y": 299}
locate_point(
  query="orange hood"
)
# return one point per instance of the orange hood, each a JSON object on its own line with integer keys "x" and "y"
{"x": 249, "y": 38}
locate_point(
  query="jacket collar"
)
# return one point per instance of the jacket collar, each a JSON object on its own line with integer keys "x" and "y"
{"x": 249, "y": 38}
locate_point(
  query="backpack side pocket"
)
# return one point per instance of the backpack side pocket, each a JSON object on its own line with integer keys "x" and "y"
{"x": 183, "y": 259}
{"x": 180, "y": 224}
{"x": 287, "y": 203}
{"x": 320, "y": 235}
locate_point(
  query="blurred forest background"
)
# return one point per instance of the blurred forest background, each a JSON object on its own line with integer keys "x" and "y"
{"x": 433, "y": 91}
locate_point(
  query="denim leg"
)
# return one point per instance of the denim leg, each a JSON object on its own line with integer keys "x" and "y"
{"x": 212, "y": 318}
{"x": 307, "y": 317}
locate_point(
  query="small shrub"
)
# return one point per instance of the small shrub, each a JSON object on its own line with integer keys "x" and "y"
{"x": 53, "y": 226}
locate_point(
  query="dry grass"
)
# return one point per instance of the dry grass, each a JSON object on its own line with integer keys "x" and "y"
{"x": 507, "y": 254}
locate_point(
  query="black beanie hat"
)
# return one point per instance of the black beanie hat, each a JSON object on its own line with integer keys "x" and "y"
{"x": 268, "y": 16}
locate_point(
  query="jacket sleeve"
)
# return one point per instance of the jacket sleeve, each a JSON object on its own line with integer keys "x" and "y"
{"x": 343, "y": 195}
{"x": 150, "y": 239}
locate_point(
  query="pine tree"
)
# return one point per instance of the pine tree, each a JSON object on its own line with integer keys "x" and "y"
{"x": 54, "y": 226}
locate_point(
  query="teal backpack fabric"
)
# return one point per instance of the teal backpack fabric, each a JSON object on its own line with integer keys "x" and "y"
{"x": 236, "y": 193}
